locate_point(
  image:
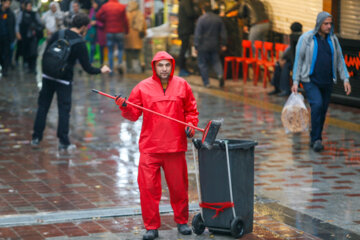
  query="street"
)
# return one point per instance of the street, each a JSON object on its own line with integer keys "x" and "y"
{"x": 91, "y": 192}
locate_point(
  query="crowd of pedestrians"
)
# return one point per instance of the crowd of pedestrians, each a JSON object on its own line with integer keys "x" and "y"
{"x": 112, "y": 25}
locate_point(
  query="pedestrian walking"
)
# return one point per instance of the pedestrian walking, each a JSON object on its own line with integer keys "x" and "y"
{"x": 210, "y": 37}
{"x": 7, "y": 35}
{"x": 113, "y": 15}
{"x": 53, "y": 19}
{"x": 62, "y": 86}
{"x": 162, "y": 142}
{"x": 28, "y": 29}
{"x": 134, "y": 40}
{"x": 283, "y": 67}
{"x": 188, "y": 14}
{"x": 318, "y": 59}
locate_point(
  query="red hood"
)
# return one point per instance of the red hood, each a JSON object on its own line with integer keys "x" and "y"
{"x": 162, "y": 55}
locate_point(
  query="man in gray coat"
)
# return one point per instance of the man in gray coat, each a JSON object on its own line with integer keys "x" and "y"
{"x": 318, "y": 59}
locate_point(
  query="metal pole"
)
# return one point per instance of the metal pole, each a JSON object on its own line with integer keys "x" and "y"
{"x": 229, "y": 175}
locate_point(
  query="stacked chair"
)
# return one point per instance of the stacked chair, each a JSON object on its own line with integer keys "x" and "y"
{"x": 264, "y": 57}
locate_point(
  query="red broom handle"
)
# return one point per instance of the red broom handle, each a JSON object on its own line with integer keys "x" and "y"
{"x": 148, "y": 110}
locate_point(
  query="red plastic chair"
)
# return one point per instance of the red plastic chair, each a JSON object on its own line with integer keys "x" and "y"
{"x": 252, "y": 59}
{"x": 279, "y": 48}
{"x": 267, "y": 60}
{"x": 229, "y": 59}
{"x": 246, "y": 54}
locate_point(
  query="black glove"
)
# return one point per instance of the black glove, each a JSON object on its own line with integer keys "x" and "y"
{"x": 190, "y": 132}
{"x": 120, "y": 101}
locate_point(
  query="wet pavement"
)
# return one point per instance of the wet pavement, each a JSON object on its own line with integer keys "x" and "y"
{"x": 91, "y": 192}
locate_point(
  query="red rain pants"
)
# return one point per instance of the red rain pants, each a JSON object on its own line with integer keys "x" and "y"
{"x": 149, "y": 180}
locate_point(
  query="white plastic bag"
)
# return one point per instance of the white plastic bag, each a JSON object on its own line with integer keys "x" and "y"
{"x": 294, "y": 115}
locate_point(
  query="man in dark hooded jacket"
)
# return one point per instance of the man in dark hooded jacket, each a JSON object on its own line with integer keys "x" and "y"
{"x": 162, "y": 142}
{"x": 318, "y": 59}
{"x": 283, "y": 67}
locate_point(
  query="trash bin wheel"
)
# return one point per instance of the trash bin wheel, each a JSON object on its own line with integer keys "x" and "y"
{"x": 198, "y": 225}
{"x": 237, "y": 227}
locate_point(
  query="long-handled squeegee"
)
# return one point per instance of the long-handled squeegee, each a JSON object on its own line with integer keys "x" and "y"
{"x": 209, "y": 132}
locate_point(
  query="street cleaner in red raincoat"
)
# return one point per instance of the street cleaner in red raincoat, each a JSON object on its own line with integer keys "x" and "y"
{"x": 162, "y": 142}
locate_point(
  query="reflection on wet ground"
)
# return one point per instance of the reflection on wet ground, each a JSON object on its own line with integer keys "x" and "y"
{"x": 292, "y": 183}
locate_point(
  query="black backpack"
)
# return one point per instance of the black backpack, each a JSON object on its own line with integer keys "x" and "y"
{"x": 54, "y": 61}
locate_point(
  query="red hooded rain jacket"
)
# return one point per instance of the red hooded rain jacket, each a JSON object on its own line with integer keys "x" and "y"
{"x": 158, "y": 134}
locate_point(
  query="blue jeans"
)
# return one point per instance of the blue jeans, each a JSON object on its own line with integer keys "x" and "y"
{"x": 113, "y": 39}
{"x": 204, "y": 59}
{"x": 319, "y": 99}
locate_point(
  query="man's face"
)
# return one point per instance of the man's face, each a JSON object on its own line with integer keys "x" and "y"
{"x": 163, "y": 69}
{"x": 6, "y": 4}
{"x": 75, "y": 7}
{"x": 53, "y": 8}
{"x": 325, "y": 27}
{"x": 28, "y": 7}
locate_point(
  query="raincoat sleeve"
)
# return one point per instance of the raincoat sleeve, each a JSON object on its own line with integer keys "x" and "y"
{"x": 191, "y": 112}
{"x": 129, "y": 112}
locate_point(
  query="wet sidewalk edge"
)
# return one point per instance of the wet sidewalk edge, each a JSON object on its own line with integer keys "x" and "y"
{"x": 262, "y": 206}
{"x": 301, "y": 221}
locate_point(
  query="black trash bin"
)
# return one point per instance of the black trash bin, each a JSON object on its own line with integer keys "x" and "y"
{"x": 227, "y": 203}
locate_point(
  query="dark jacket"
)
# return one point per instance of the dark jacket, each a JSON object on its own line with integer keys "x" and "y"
{"x": 78, "y": 51}
{"x": 210, "y": 33}
{"x": 10, "y": 16}
{"x": 289, "y": 54}
{"x": 187, "y": 17}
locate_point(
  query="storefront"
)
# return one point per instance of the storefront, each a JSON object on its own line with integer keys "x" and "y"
{"x": 348, "y": 23}
{"x": 282, "y": 14}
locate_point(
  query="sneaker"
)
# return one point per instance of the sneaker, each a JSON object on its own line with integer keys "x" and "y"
{"x": 151, "y": 234}
{"x": 207, "y": 85}
{"x": 184, "y": 229}
{"x": 184, "y": 73}
{"x": 120, "y": 69}
{"x": 317, "y": 146}
{"x": 35, "y": 142}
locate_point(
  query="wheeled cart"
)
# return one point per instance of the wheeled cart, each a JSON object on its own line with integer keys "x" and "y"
{"x": 225, "y": 182}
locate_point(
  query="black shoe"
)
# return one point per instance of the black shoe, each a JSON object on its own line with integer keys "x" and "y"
{"x": 120, "y": 69}
{"x": 221, "y": 82}
{"x": 35, "y": 143}
{"x": 151, "y": 234}
{"x": 317, "y": 146}
{"x": 276, "y": 91}
{"x": 283, "y": 94}
{"x": 184, "y": 229}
